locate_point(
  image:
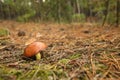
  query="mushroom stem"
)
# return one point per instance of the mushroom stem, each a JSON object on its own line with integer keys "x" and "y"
{"x": 38, "y": 56}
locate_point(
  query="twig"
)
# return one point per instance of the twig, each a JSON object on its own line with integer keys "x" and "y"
{"x": 88, "y": 73}
{"x": 106, "y": 73}
{"x": 114, "y": 74}
{"x": 3, "y": 38}
{"x": 93, "y": 65}
{"x": 2, "y": 47}
{"x": 116, "y": 62}
{"x": 118, "y": 45}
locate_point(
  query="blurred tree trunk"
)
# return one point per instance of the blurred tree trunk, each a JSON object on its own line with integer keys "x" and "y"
{"x": 1, "y": 10}
{"x": 78, "y": 6}
{"x": 59, "y": 15}
{"x": 117, "y": 13}
{"x": 106, "y": 11}
{"x": 90, "y": 15}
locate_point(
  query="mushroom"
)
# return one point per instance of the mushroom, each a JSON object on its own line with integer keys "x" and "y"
{"x": 34, "y": 49}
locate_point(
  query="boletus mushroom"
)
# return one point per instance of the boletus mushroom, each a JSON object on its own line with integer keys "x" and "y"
{"x": 34, "y": 49}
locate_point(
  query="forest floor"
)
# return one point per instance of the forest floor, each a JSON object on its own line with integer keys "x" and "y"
{"x": 75, "y": 51}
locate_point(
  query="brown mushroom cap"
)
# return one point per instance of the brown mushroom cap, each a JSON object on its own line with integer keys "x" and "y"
{"x": 33, "y": 48}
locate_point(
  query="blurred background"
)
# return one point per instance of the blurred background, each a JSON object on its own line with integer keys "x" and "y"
{"x": 61, "y": 10}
